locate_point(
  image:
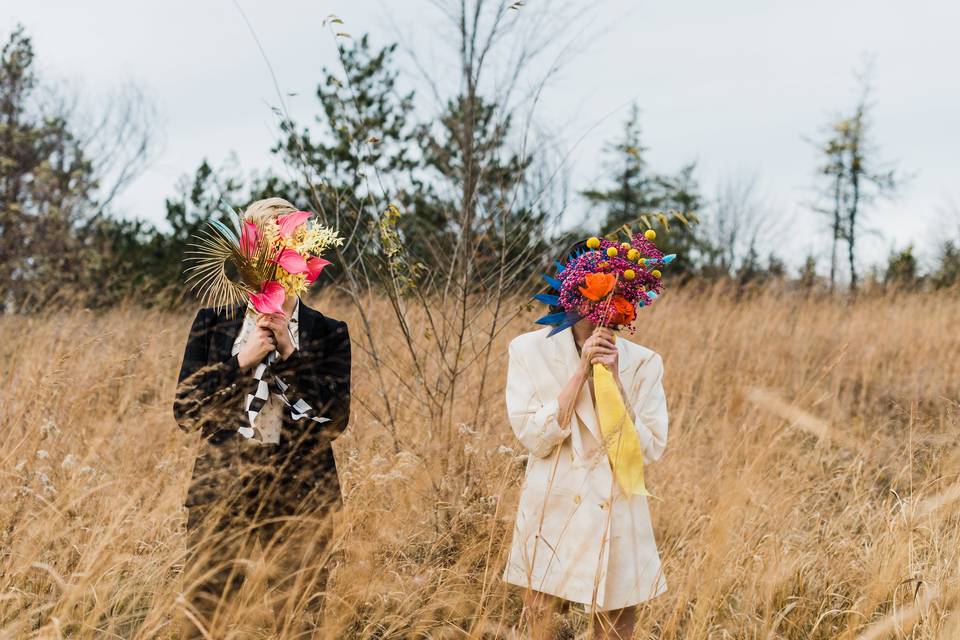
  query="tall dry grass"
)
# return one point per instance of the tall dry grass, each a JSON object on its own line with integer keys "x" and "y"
{"x": 809, "y": 489}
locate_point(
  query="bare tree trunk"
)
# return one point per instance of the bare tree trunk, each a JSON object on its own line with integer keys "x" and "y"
{"x": 852, "y": 230}
{"x": 856, "y": 151}
{"x": 837, "y": 229}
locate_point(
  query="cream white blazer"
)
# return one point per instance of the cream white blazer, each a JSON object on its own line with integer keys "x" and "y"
{"x": 577, "y": 536}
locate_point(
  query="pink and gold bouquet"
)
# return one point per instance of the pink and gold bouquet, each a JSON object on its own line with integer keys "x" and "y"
{"x": 260, "y": 261}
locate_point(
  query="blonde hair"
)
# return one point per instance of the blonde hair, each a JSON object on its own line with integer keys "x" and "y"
{"x": 265, "y": 210}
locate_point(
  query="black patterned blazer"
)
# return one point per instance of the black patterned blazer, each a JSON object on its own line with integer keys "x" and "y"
{"x": 298, "y": 474}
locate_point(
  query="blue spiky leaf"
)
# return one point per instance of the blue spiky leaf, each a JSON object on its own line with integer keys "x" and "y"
{"x": 552, "y": 318}
{"x": 234, "y": 215}
{"x": 226, "y": 231}
{"x": 553, "y": 282}
{"x": 572, "y": 318}
{"x": 548, "y": 298}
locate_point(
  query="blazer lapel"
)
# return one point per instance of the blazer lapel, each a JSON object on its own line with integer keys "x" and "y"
{"x": 568, "y": 359}
{"x": 227, "y": 330}
{"x": 306, "y": 328}
{"x": 623, "y": 358}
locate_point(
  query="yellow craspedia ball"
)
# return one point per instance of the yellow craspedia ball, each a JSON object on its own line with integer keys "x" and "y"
{"x": 629, "y": 274}
{"x": 593, "y": 243}
{"x": 642, "y": 262}
{"x": 656, "y": 273}
{"x": 625, "y": 246}
{"x": 633, "y": 255}
{"x": 612, "y": 252}
{"x": 650, "y": 234}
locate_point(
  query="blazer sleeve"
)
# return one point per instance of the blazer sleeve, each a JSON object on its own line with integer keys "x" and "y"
{"x": 650, "y": 408}
{"x": 207, "y": 392}
{"x": 319, "y": 374}
{"x": 534, "y": 423}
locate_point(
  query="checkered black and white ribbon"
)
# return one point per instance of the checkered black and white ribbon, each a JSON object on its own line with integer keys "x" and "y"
{"x": 266, "y": 382}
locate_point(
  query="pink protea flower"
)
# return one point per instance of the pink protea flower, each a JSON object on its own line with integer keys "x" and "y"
{"x": 270, "y": 299}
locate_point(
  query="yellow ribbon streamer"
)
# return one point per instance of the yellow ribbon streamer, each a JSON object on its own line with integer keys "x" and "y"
{"x": 619, "y": 434}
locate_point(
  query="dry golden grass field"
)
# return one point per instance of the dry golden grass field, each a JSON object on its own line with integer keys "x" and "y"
{"x": 810, "y": 487}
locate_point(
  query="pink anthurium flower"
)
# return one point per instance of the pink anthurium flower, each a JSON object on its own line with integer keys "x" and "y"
{"x": 249, "y": 236}
{"x": 291, "y": 261}
{"x": 270, "y": 299}
{"x": 289, "y": 222}
{"x": 315, "y": 267}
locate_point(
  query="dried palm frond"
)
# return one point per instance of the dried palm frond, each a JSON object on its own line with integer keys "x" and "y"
{"x": 219, "y": 272}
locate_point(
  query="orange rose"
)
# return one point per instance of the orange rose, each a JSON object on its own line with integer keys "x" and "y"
{"x": 598, "y": 286}
{"x": 621, "y": 312}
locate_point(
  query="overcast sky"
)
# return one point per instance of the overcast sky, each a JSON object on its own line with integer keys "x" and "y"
{"x": 734, "y": 85}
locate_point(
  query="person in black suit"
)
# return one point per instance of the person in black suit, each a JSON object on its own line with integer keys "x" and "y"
{"x": 260, "y": 490}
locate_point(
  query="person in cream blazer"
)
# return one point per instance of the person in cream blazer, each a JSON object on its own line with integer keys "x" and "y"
{"x": 577, "y": 536}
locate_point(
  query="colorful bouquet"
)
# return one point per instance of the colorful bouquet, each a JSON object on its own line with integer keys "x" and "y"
{"x": 261, "y": 261}
{"x": 606, "y": 283}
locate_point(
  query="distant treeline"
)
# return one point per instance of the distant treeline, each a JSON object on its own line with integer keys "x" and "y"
{"x": 468, "y": 172}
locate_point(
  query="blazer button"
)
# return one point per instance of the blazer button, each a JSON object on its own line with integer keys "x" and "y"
{"x": 576, "y": 499}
